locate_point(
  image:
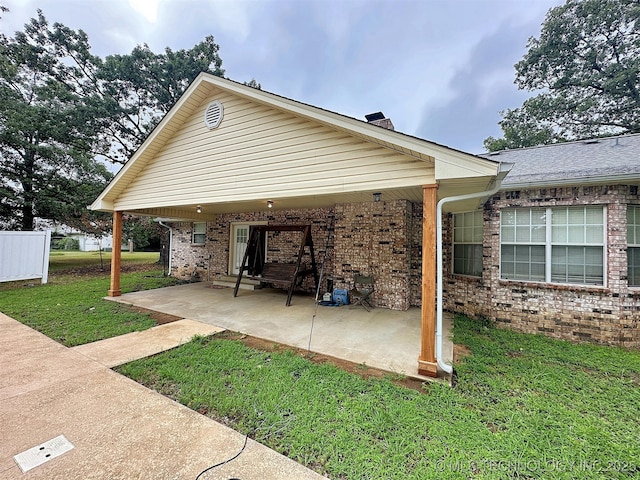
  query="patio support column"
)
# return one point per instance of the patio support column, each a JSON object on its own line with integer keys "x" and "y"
{"x": 427, "y": 364}
{"x": 116, "y": 253}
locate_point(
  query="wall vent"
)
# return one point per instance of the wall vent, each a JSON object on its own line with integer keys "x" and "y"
{"x": 213, "y": 114}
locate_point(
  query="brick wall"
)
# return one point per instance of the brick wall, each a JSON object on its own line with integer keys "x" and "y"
{"x": 188, "y": 261}
{"x": 211, "y": 260}
{"x": 605, "y": 314}
{"x": 382, "y": 239}
{"x": 374, "y": 239}
{"x": 415, "y": 267}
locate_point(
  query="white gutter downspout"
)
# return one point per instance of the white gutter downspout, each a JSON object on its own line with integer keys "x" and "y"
{"x": 170, "y": 242}
{"x": 502, "y": 172}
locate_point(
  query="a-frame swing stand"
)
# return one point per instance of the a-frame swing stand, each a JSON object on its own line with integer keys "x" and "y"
{"x": 285, "y": 274}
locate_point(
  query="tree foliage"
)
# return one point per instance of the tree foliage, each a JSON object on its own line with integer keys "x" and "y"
{"x": 46, "y": 134}
{"x": 138, "y": 89}
{"x": 65, "y": 111}
{"x": 586, "y": 66}
{"x": 143, "y": 231}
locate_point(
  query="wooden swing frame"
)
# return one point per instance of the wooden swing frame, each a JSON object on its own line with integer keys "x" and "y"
{"x": 287, "y": 274}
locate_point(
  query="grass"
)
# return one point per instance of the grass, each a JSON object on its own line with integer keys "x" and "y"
{"x": 70, "y": 308}
{"x": 524, "y": 407}
{"x": 65, "y": 260}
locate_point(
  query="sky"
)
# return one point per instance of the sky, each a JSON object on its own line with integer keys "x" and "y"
{"x": 442, "y": 70}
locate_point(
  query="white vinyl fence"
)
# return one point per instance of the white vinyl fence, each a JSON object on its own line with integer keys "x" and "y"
{"x": 24, "y": 255}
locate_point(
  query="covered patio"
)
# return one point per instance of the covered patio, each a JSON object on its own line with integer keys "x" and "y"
{"x": 227, "y": 154}
{"x": 385, "y": 339}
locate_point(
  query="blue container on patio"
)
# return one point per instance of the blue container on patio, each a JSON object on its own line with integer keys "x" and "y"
{"x": 341, "y": 297}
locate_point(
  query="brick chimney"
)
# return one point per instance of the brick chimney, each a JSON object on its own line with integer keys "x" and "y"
{"x": 379, "y": 119}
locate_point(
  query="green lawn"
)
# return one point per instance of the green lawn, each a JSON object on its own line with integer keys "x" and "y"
{"x": 524, "y": 407}
{"x": 70, "y": 308}
{"x": 63, "y": 260}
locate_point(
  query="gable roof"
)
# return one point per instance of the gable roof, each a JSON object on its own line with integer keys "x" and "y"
{"x": 455, "y": 170}
{"x": 599, "y": 160}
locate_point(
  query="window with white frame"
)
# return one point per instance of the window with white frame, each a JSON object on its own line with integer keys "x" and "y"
{"x": 555, "y": 245}
{"x": 633, "y": 245}
{"x": 467, "y": 243}
{"x": 199, "y": 233}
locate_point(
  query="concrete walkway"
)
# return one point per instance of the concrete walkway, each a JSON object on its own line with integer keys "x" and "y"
{"x": 119, "y": 429}
{"x": 132, "y": 346}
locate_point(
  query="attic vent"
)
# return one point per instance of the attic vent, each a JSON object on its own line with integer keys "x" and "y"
{"x": 590, "y": 141}
{"x": 213, "y": 115}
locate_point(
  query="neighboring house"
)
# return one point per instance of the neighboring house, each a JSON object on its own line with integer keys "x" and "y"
{"x": 89, "y": 243}
{"x": 86, "y": 243}
{"x": 557, "y": 249}
{"x": 228, "y": 156}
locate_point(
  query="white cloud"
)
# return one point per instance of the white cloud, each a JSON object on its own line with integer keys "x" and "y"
{"x": 231, "y": 16}
{"x": 147, "y": 8}
{"x": 441, "y": 69}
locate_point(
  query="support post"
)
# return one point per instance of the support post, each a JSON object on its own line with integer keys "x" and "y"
{"x": 427, "y": 364}
{"x": 116, "y": 253}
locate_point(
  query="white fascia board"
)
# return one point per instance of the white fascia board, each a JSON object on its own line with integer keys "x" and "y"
{"x": 609, "y": 179}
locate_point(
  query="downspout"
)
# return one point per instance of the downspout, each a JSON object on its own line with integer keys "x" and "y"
{"x": 502, "y": 172}
{"x": 170, "y": 241}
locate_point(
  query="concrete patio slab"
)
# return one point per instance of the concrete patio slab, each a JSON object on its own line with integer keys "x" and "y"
{"x": 382, "y": 338}
{"x": 119, "y": 429}
{"x": 132, "y": 346}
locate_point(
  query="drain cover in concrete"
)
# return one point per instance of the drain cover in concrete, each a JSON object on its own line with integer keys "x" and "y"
{"x": 40, "y": 454}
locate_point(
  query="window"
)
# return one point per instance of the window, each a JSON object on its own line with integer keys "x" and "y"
{"x": 467, "y": 243}
{"x": 199, "y": 233}
{"x": 523, "y": 244}
{"x": 633, "y": 245}
{"x": 557, "y": 245}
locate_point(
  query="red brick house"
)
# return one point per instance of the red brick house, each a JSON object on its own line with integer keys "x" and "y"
{"x": 552, "y": 248}
{"x": 557, "y": 249}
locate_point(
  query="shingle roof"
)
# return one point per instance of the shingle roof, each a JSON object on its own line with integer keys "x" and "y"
{"x": 594, "y": 160}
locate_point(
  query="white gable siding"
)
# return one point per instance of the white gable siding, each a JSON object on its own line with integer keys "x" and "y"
{"x": 259, "y": 152}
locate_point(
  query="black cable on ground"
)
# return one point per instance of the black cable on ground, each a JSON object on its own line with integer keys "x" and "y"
{"x": 246, "y": 437}
{"x": 231, "y": 459}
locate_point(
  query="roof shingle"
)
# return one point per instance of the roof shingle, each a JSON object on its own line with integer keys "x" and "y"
{"x": 592, "y": 160}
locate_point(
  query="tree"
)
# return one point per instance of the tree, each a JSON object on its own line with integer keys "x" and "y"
{"x": 46, "y": 133}
{"x": 140, "y": 88}
{"x": 521, "y": 129}
{"x": 586, "y": 65}
{"x": 253, "y": 84}
{"x": 143, "y": 231}
{"x": 62, "y": 109}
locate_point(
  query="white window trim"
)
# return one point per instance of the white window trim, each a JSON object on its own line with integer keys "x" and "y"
{"x": 193, "y": 234}
{"x": 454, "y": 243}
{"x": 632, "y": 245}
{"x": 548, "y": 250}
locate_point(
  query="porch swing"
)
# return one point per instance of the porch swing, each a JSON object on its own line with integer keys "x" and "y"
{"x": 288, "y": 275}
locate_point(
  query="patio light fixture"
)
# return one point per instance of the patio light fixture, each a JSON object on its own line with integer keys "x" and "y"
{"x": 377, "y": 196}
{"x": 198, "y": 209}
{"x": 270, "y": 203}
